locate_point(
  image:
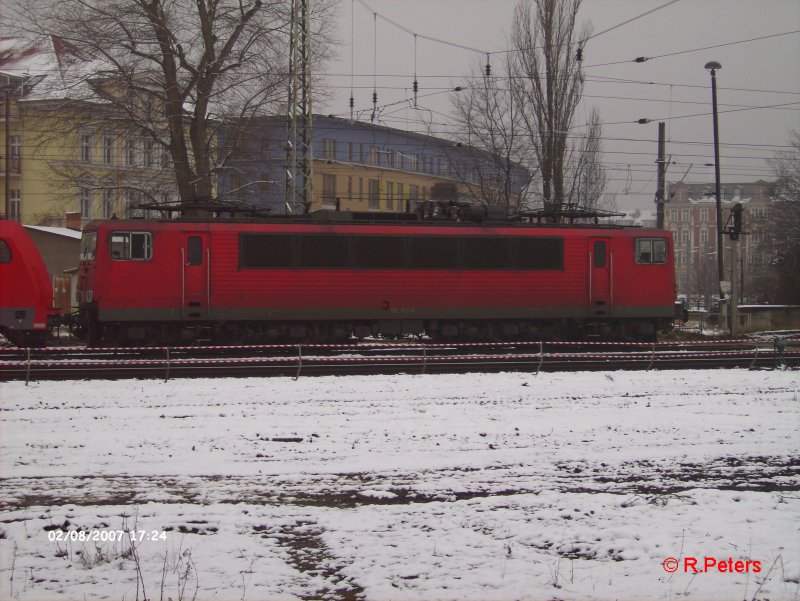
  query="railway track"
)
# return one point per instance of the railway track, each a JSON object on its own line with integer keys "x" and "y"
{"x": 65, "y": 363}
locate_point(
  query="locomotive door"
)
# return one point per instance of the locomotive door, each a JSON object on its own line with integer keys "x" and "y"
{"x": 195, "y": 270}
{"x": 600, "y": 286}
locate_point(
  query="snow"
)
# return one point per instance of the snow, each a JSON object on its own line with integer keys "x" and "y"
{"x": 57, "y": 231}
{"x": 481, "y": 486}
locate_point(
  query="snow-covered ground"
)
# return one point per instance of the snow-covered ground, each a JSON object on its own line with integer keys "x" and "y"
{"x": 485, "y": 487}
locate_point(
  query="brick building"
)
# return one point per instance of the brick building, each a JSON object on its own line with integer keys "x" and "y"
{"x": 690, "y": 213}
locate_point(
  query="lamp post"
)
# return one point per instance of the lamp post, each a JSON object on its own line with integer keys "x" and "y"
{"x": 714, "y": 66}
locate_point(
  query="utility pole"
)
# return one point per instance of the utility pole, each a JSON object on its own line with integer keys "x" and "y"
{"x": 713, "y": 67}
{"x": 662, "y": 176}
{"x": 299, "y": 155}
{"x": 736, "y": 229}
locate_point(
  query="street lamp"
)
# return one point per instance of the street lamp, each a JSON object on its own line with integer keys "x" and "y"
{"x": 714, "y": 66}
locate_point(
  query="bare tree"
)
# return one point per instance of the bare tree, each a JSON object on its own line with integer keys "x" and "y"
{"x": 547, "y": 82}
{"x": 173, "y": 71}
{"x": 488, "y": 120}
{"x": 778, "y": 244}
{"x": 584, "y": 174}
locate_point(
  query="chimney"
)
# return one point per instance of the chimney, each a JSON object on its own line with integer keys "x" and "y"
{"x": 73, "y": 221}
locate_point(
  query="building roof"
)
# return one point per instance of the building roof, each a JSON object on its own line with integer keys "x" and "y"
{"x": 731, "y": 191}
{"x": 56, "y": 231}
{"x": 51, "y": 68}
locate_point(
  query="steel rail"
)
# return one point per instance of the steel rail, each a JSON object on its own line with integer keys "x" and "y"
{"x": 417, "y": 358}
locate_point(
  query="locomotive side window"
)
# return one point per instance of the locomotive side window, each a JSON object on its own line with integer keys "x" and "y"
{"x": 378, "y": 252}
{"x": 651, "y": 250}
{"x": 194, "y": 250}
{"x": 319, "y": 252}
{"x": 131, "y": 246}
{"x": 540, "y": 253}
{"x": 88, "y": 246}
{"x": 429, "y": 252}
{"x": 263, "y": 250}
{"x": 5, "y": 252}
{"x": 315, "y": 251}
{"x": 487, "y": 253}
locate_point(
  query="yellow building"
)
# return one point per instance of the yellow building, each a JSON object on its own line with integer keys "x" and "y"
{"x": 65, "y": 151}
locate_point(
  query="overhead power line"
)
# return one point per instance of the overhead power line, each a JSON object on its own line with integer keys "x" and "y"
{"x": 488, "y": 53}
{"x": 644, "y": 59}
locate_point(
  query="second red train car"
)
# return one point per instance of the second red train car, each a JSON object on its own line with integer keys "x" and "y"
{"x": 26, "y": 294}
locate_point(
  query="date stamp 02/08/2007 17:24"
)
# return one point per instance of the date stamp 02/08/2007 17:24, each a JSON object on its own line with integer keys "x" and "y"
{"x": 136, "y": 536}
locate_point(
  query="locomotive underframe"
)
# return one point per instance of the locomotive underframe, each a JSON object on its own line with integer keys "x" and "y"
{"x": 155, "y": 333}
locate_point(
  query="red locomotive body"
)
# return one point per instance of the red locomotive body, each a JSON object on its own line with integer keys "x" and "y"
{"x": 162, "y": 282}
{"x": 26, "y": 293}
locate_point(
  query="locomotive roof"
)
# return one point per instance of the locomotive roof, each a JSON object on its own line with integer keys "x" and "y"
{"x": 364, "y": 223}
{"x": 372, "y": 219}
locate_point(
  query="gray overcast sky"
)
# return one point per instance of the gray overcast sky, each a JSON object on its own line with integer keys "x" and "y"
{"x": 767, "y": 72}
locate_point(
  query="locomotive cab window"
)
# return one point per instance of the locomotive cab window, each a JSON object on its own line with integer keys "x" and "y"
{"x": 88, "y": 246}
{"x": 195, "y": 251}
{"x": 651, "y": 250}
{"x": 131, "y": 246}
{"x": 599, "y": 254}
{"x": 5, "y": 252}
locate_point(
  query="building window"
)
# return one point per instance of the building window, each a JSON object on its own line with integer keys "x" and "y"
{"x": 374, "y": 194}
{"x": 413, "y": 162}
{"x": 108, "y": 150}
{"x": 85, "y": 202}
{"x": 703, "y": 236}
{"x": 329, "y": 148}
{"x": 147, "y": 153}
{"x": 328, "y": 189}
{"x": 390, "y": 196}
{"x": 685, "y": 237}
{"x": 673, "y": 215}
{"x": 685, "y": 215}
{"x": 132, "y": 202}
{"x": 129, "y": 152}
{"x": 390, "y": 158}
{"x": 15, "y": 205}
{"x": 400, "y": 195}
{"x": 16, "y": 154}
{"x": 108, "y": 203}
{"x": 350, "y": 151}
{"x": 86, "y": 148}
{"x": 372, "y": 159}
{"x": 704, "y": 215}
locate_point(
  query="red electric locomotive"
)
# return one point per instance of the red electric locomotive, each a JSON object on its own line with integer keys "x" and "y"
{"x": 26, "y": 293}
{"x": 179, "y": 281}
